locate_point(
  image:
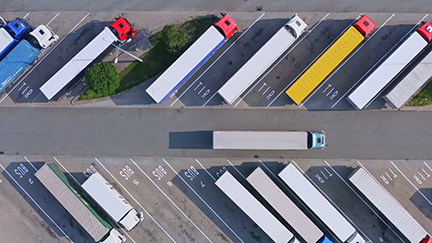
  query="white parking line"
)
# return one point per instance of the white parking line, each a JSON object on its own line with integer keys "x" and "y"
{"x": 236, "y": 169}
{"x": 286, "y": 87}
{"x": 37, "y": 64}
{"x": 52, "y": 19}
{"x": 25, "y": 16}
{"x": 379, "y": 61}
{"x": 205, "y": 169}
{"x": 344, "y": 61}
{"x": 28, "y": 161}
{"x": 352, "y": 189}
{"x": 412, "y": 184}
{"x": 169, "y": 199}
{"x": 235, "y": 41}
{"x": 76, "y": 181}
{"x": 40, "y": 208}
{"x": 202, "y": 200}
{"x": 266, "y": 72}
{"x": 331, "y": 201}
{"x": 427, "y": 166}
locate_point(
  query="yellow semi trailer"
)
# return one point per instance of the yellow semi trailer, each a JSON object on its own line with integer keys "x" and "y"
{"x": 330, "y": 59}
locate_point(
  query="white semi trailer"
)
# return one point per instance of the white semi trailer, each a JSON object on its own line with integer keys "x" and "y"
{"x": 388, "y": 206}
{"x": 319, "y": 205}
{"x": 114, "y": 204}
{"x": 262, "y": 60}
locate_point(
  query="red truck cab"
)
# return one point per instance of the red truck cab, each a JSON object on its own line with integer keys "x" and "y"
{"x": 227, "y": 26}
{"x": 426, "y": 31}
{"x": 364, "y": 25}
{"x": 427, "y": 239}
{"x": 123, "y": 29}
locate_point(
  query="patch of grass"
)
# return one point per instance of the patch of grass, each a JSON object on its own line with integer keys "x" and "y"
{"x": 424, "y": 97}
{"x": 158, "y": 58}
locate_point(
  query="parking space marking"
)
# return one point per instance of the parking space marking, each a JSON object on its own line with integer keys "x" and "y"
{"x": 52, "y": 19}
{"x": 25, "y": 16}
{"x": 235, "y": 41}
{"x": 205, "y": 169}
{"x": 412, "y": 184}
{"x": 286, "y": 87}
{"x": 78, "y": 23}
{"x": 30, "y": 163}
{"x": 352, "y": 189}
{"x": 169, "y": 199}
{"x": 40, "y": 208}
{"x": 427, "y": 166}
{"x": 202, "y": 200}
{"x": 379, "y": 61}
{"x": 331, "y": 201}
{"x": 236, "y": 169}
{"x": 346, "y": 60}
{"x": 76, "y": 181}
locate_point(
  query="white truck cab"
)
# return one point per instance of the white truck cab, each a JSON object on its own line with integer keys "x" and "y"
{"x": 296, "y": 25}
{"x": 44, "y": 36}
{"x": 114, "y": 237}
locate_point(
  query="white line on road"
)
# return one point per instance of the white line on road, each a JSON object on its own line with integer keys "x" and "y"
{"x": 53, "y": 19}
{"x": 40, "y": 208}
{"x": 382, "y": 58}
{"x": 28, "y": 161}
{"x": 169, "y": 199}
{"x": 343, "y": 61}
{"x": 76, "y": 181}
{"x": 331, "y": 201}
{"x": 412, "y": 184}
{"x": 286, "y": 87}
{"x": 427, "y": 165}
{"x": 202, "y": 200}
{"x": 236, "y": 169}
{"x": 25, "y": 16}
{"x": 235, "y": 41}
{"x": 352, "y": 189}
{"x": 205, "y": 169}
{"x": 78, "y": 23}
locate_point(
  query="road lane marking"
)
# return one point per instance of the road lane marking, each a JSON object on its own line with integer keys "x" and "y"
{"x": 25, "y": 16}
{"x": 53, "y": 19}
{"x": 236, "y": 169}
{"x": 202, "y": 200}
{"x": 169, "y": 199}
{"x": 379, "y": 61}
{"x": 331, "y": 201}
{"x": 76, "y": 181}
{"x": 412, "y": 184}
{"x": 235, "y": 41}
{"x": 345, "y": 60}
{"x": 40, "y": 208}
{"x": 205, "y": 169}
{"x": 286, "y": 87}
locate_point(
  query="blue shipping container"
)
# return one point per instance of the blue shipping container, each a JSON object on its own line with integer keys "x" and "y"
{"x": 16, "y": 62}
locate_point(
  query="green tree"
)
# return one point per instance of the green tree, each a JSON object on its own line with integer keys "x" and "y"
{"x": 102, "y": 78}
{"x": 175, "y": 37}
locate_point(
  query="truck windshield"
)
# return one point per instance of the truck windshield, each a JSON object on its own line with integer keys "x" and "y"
{"x": 310, "y": 140}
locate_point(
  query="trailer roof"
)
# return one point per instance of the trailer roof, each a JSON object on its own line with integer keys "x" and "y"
{"x": 106, "y": 196}
{"x": 260, "y": 140}
{"x": 388, "y": 205}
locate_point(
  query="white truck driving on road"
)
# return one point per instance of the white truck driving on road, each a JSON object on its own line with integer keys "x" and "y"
{"x": 262, "y": 60}
{"x": 266, "y": 140}
{"x": 114, "y": 204}
{"x": 319, "y": 205}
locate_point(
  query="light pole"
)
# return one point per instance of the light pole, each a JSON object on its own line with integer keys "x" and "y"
{"x": 118, "y": 48}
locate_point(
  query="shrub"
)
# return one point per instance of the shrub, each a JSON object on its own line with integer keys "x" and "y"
{"x": 175, "y": 37}
{"x": 102, "y": 78}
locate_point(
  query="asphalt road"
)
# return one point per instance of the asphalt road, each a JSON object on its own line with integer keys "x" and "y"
{"x": 187, "y": 132}
{"x": 227, "y": 5}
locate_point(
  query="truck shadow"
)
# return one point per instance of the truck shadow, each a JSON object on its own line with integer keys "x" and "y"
{"x": 419, "y": 201}
{"x": 191, "y": 140}
{"x": 51, "y": 217}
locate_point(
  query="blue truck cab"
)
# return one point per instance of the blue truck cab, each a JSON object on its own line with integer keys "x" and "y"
{"x": 19, "y": 28}
{"x": 316, "y": 140}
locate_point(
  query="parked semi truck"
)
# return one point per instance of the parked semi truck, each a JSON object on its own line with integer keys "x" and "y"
{"x": 388, "y": 206}
{"x": 114, "y": 204}
{"x": 119, "y": 31}
{"x": 11, "y": 33}
{"x": 286, "y": 208}
{"x": 58, "y": 185}
{"x": 254, "y": 209}
{"x": 11, "y": 66}
{"x": 382, "y": 76}
{"x": 262, "y": 60}
{"x": 266, "y": 140}
{"x": 319, "y": 205}
{"x": 330, "y": 59}
{"x": 412, "y": 82}
{"x": 193, "y": 58}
